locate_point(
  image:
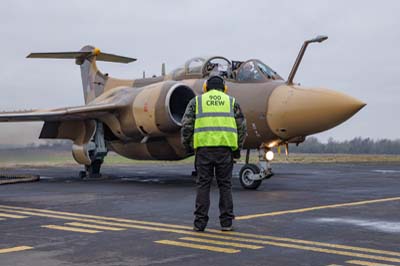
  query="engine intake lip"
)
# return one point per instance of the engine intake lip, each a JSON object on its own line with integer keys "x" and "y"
{"x": 176, "y": 101}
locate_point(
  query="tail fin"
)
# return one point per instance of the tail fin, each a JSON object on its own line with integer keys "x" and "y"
{"x": 93, "y": 81}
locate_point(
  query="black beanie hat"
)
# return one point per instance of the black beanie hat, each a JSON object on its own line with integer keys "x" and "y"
{"x": 215, "y": 82}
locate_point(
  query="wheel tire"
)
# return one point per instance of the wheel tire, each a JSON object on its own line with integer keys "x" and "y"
{"x": 93, "y": 170}
{"x": 96, "y": 165}
{"x": 245, "y": 181}
{"x": 82, "y": 174}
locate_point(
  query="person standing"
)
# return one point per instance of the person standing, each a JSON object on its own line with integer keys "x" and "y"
{"x": 214, "y": 127}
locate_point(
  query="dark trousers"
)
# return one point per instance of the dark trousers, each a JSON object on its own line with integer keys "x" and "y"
{"x": 210, "y": 160}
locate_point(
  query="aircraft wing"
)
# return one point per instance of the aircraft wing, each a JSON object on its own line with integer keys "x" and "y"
{"x": 60, "y": 114}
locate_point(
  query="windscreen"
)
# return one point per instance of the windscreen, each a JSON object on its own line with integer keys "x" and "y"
{"x": 249, "y": 72}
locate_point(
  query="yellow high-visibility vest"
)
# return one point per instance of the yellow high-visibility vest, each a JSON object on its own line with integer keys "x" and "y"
{"x": 215, "y": 124}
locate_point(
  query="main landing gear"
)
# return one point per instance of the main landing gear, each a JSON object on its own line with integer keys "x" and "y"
{"x": 251, "y": 175}
{"x": 97, "y": 151}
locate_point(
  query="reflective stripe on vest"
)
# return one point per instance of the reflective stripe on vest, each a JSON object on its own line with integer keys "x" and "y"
{"x": 215, "y": 123}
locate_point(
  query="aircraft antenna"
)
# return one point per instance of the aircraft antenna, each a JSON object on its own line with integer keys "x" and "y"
{"x": 163, "y": 69}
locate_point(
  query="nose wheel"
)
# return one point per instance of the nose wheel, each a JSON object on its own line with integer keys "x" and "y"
{"x": 252, "y": 175}
{"x": 246, "y": 176}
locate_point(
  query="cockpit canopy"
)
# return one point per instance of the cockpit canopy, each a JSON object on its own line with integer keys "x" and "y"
{"x": 251, "y": 71}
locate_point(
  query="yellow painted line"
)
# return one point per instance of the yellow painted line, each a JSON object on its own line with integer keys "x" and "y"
{"x": 231, "y": 236}
{"x": 307, "y": 242}
{"x": 367, "y": 263}
{"x": 12, "y": 216}
{"x": 197, "y": 246}
{"x": 100, "y": 227}
{"x": 122, "y": 220}
{"x": 226, "y": 236}
{"x": 349, "y": 204}
{"x": 14, "y": 249}
{"x": 334, "y": 265}
{"x": 324, "y": 250}
{"x": 72, "y": 229}
{"x": 297, "y": 241}
{"x": 271, "y": 243}
{"x": 222, "y": 243}
{"x": 310, "y": 248}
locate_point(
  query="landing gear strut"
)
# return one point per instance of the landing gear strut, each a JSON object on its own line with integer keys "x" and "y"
{"x": 252, "y": 175}
{"x": 97, "y": 152}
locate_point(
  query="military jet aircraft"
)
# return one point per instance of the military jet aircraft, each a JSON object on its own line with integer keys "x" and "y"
{"x": 141, "y": 118}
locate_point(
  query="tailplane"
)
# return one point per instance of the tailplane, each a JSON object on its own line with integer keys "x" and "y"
{"x": 93, "y": 81}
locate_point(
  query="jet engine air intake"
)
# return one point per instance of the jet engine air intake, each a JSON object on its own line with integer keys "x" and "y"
{"x": 156, "y": 110}
{"x": 177, "y": 99}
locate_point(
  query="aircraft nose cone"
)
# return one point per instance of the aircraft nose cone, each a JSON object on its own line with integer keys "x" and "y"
{"x": 298, "y": 111}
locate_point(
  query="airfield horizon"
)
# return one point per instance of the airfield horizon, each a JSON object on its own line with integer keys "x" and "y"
{"x": 48, "y": 158}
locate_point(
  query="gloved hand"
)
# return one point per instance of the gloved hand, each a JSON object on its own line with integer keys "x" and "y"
{"x": 236, "y": 154}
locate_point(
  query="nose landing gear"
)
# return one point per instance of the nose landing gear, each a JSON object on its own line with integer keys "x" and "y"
{"x": 252, "y": 175}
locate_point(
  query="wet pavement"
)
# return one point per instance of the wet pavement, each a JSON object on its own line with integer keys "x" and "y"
{"x": 307, "y": 214}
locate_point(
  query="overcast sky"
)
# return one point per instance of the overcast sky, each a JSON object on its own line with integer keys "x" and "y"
{"x": 361, "y": 57}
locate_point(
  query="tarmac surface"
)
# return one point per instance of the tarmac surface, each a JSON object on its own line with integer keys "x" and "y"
{"x": 307, "y": 214}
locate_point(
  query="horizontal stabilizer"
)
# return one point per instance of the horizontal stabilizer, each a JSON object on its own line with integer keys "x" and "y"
{"x": 100, "y": 56}
{"x": 61, "y": 55}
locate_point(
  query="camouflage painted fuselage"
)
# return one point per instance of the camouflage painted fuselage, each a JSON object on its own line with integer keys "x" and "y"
{"x": 142, "y": 117}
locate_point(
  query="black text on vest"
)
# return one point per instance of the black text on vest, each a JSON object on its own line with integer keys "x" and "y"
{"x": 215, "y": 100}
